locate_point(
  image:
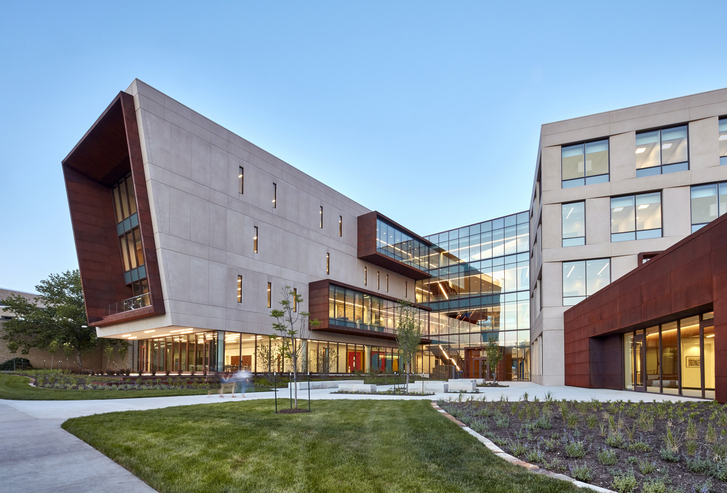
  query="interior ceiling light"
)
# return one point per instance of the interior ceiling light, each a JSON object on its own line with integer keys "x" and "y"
{"x": 640, "y": 150}
{"x": 571, "y": 270}
{"x": 569, "y": 212}
{"x": 666, "y": 146}
{"x": 149, "y": 331}
{"x": 644, "y": 206}
{"x": 618, "y": 209}
{"x": 602, "y": 269}
{"x": 126, "y": 335}
{"x": 723, "y": 137}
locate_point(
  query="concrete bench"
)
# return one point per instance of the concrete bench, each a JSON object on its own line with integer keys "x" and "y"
{"x": 323, "y": 384}
{"x": 356, "y": 387}
{"x": 425, "y": 387}
{"x": 462, "y": 386}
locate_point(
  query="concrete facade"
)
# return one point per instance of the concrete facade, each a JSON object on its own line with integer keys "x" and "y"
{"x": 701, "y": 112}
{"x": 203, "y": 226}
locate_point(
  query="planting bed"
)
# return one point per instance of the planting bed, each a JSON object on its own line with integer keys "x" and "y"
{"x": 624, "y": 446}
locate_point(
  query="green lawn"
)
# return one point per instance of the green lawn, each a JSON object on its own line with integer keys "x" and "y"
{"x": 17, "y": 388}
{"x": 342, "y": 446}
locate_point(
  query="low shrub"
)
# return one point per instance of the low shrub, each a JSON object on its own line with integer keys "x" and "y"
{"x": 16, "y": 364}
{"x": 575, "y": 448}
{"x": 624, "y": 482}
{"x": 581, "y": 473}
{"x": 607, "y": 456}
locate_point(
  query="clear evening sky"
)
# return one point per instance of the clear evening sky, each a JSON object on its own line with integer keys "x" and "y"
{"x": 428, "y": 112}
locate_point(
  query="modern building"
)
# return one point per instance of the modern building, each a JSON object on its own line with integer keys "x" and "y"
{"x": 187, "y": 234}
{"x": 611, "y": 191}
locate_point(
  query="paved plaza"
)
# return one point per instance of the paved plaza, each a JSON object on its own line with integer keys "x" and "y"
{"x": 37, "y": 455}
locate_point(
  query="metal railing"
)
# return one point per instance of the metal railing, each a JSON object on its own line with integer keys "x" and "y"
{"x": 129, "y": 304}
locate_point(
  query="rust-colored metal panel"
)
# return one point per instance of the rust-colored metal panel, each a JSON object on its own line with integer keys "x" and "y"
{"x": 687, "y": 279}
{"x": 109, "y": 150}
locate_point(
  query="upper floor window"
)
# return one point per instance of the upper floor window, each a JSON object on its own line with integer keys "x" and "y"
{"x": 366, "y": 276}
{"x": 295, "y": 299}
{"x": 583, "y": 278}
{"x": 275, "y": 195}
{"x": 239, "y": 289}
{"x": 328, "y": 263}
{"x": 270, "y": 294}
{"x": 241, "y": 178}
{"x": 662, "y": 151}
{"x": 340, "y": 225}
{"x": 378, "y": 280}
{"x": 387, "y": 283}
{"x": 321, "y": 217}
{"x": 585, "y": 164}
{"x": 254, "y": 241}
{"x": 708, "y": 203}
{"x": 636, "y": 217}
{"x": 723, "y": 141}
{"x": 574, "y": 224}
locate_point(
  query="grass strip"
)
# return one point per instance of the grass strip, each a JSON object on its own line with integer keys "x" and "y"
{"x": 342, "y": 446}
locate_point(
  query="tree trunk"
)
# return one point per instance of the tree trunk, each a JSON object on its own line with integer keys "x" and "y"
{"x": 407, "y": 369}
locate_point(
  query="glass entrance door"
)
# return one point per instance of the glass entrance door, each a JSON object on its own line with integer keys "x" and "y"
{"x": 639, "y": 362}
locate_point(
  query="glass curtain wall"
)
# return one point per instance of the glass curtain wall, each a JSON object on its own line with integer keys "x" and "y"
{"x": 673, "y": 358}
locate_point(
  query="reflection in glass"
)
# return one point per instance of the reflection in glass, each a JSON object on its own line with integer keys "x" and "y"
{"x": 669, "y": 358}
{"x": 622, "y": 214}
{"x": 572, "y": 162}
{"x": 691, "y": 357}
{"x": 674, "y": 145}
{"x": 628, "y": 361}
{"x": 598, "y": 275}
{"x": 704, "y": 204}
{"x": 647, "y": 150}
{"x": 574, "y": 224}
{"x": 723, "y": 141}
{"x": 648, "y": 211}
{"x": 652, "y": 360}
{"x": 709, "y": 362}
{"x": 574, "y": 285}
{"x": 597, "y": 158}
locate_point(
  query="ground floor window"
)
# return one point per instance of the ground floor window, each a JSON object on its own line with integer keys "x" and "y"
{"x": 458, "y": 355}
{"x": 672, "y": 358}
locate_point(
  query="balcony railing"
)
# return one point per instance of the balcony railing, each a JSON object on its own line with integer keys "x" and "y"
{"x": 129, "y": 304}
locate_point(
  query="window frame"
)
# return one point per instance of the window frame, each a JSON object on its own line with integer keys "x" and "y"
{"x": 270, "y": 294}
{"x": 698, "y": 226}
{"x": 328, "y": 262}
{"x": 340, "y": 226}
{"x": 239, "y": 288}
{"x": 275, "y": 195}
{"x": 722, "y": 159}
{"x": 640, "y": 173}
{"x": 585, "y": 280}
{"x": 241, "y": 178}
{"x": 255, "y": 240}
{"x": 563, "y": 240}
{"x": 586, "y": 180}
{"x": 636, "y": 231}
{"x": 321, "y": 221}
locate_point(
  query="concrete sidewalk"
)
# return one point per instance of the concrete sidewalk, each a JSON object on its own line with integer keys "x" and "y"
{"x": 37, "y": 455}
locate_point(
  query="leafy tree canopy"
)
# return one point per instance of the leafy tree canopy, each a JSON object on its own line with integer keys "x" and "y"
{"x": 408, "y": 335}
{"x": 56, "y": 319}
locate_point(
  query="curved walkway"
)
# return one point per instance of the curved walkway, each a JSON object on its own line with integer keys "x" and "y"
{"x": 37, "y": 455}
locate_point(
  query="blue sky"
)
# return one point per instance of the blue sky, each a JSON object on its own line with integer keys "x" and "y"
{"x": 429, "y": 112}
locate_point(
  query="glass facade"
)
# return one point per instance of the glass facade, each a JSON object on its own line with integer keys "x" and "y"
{"x": 723, "y": 141}
{"x": 662, "y": 151}
{"x": 479, "y": 292}
{"x": 396, "y": 244}
{"x": 127, "y": 229}
{"x": 583, "y": 278}
{"x": 673, "y": 358}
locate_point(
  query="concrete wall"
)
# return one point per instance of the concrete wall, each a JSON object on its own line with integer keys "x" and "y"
{"x": 203, "y": 226}
{"x": 701, "y": 112}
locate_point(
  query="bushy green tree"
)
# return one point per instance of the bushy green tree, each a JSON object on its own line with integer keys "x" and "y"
{"x": 408, "y": 336}
{"x": 58, "y": 314}
{"x": 292, "y": 325}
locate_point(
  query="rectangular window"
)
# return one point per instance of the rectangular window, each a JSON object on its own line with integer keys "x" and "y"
{"x": 583, "y": 278}
{"x": 708, "y": 203}
{"x": 387, "y": 283}
{"x": 584, "y": 164}
{"x": 636, "y": 217}
{"x": 321, "y": 217}
{"x": 270, "y": 295}
{"x": 328, "y": 263}
{"x": 378, "y": 280}
{"x": 275, "y": 195}
{"x": 340, "y": 225}
{"x": 241, "y": 178}
{"x": 574, "y": 224}
{"x": 295, "y": 299}
{"x": 723, "y": 141}
{"x": 662, "y": 151}
{"x": 406, "y": 289}
{"x": 239, "y": 289}
{"x": 366, "y": 276}
{"x": 254, "y": 241}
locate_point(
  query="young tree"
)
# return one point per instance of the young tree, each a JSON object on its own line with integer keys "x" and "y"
{"x": 292, "y": 325}
{"x": 408, "y": 336}
{"x": 267, "y": 356}
{"x": 494, "y": 355}
{"x": 58, "y": 314}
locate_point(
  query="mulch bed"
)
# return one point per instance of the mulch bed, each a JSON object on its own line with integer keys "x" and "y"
{"x": 652, "y": 447}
